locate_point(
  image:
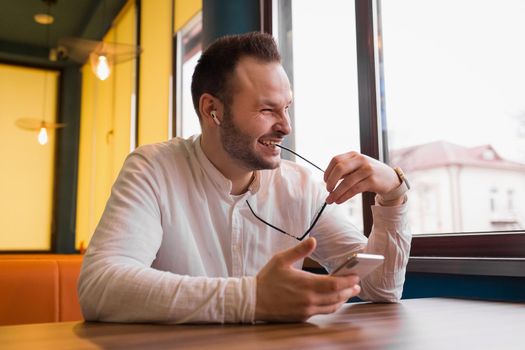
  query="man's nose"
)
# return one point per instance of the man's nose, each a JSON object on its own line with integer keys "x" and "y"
{"x": 283, "y": 124}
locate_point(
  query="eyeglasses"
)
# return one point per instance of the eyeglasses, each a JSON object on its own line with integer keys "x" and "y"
{"x": 316, "y": 217}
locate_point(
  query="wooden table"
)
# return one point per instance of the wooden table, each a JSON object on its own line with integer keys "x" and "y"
{"x": 431, "y": 323}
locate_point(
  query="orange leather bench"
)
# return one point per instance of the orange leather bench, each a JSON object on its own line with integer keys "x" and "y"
{"x": 39, "y": 288}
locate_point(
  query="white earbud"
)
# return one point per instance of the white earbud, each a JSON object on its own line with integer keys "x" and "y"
{"x": 214, "y": 117}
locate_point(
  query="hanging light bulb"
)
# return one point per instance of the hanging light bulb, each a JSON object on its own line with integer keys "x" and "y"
{"x": 102, "y": 70}
{"x": 101, "y": 62}
{"x": 34, "y": 124}
{"x": 42, "y": 136}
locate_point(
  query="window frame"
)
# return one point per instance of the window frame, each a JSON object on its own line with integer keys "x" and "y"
{"x": 483, "y": 253}
{"x": 192, "y": 32}
{"x": 500, "y": 253}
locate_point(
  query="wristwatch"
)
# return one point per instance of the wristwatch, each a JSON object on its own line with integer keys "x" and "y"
{"x": 399, "y": 190}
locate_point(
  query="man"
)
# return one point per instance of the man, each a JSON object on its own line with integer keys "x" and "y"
{"x": 182, "y": 238}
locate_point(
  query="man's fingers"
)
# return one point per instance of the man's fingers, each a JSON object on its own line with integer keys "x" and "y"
{"x": 333, "y": 284}
{"x": 327, "y": 309}
{"x": 338, "y": 297}
{"x": 341, "y": 166}
{"x": 340, "y": 159}
{"x": 284, "y": 293}
{"x": 348, "y": 185}
{"x": 360, "y": 187}
{"x": 300, "y": 251}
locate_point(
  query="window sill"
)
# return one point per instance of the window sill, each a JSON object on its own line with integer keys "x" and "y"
{"x": 480, "y": 253}
{"x": 498, "y": 245}
{"x": 510, "y": 267}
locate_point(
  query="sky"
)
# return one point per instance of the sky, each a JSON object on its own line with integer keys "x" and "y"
{"x": 325, "y": 90}
{"x": 453, "y": 71}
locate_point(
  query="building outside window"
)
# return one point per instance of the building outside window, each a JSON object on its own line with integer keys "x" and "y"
{"x": 453, "y": 97}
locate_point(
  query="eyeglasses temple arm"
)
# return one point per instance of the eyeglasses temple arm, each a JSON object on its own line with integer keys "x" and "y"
{"x": 315, "y": 222}
{"x": 306, "y": 160}
{"x": 267, "y": 223}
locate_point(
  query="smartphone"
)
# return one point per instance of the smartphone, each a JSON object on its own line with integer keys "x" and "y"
{"x": 360, "y": 264}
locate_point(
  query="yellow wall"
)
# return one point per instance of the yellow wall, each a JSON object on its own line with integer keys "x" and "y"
{"x": 106, "y": 105}
{"x": 184, "y": 11}
{"x": 105, "y": 130}
{"x": 155, "y": 70}
{"x": 27, "y": 170}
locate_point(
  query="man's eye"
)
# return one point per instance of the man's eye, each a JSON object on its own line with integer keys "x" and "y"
{"x": 266, "y": 110}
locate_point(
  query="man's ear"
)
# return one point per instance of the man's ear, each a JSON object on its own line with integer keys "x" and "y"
{"x": 210, "y": 109}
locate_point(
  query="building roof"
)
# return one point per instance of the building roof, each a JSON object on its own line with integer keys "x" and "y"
{"x": 443, "y": 154}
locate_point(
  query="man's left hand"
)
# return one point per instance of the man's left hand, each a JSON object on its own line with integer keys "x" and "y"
{"x": 352, "y": 173}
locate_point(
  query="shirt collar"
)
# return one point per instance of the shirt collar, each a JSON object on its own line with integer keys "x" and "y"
{"x": 256, "y": 182}
{"x": 222, "y": 182}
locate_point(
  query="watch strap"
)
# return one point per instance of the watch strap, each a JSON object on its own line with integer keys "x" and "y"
{"x": 399, "y": 191}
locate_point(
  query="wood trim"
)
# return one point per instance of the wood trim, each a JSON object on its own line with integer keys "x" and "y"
{"x": 175, "y": 84}
{"x": 452, "y": 266}
{"x": 489, "y": 245}
{"x": 468, "y": 266}
{"x": 53, "y": 66}
{"x": 366, "y": 77}
{"x": 66, "y": 161}
{"x": 266, "y": 16}
{"x": 25, "y": 252}
{"x": 496, "y": 254}
{"x": 138, "y": 25}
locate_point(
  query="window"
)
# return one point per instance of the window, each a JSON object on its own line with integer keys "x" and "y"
{"x": 189, "y": 49}
{"x": 453, "y": 98}
{"x": 493, "y": 196}
{"x": 429, "y": 79}
{"x": 27, "y": 176}
{"x": 320, "y": 60}
{"x": 510, "y": 200}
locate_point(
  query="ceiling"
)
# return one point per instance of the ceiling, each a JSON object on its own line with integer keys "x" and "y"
{"x": 23, "y": 41}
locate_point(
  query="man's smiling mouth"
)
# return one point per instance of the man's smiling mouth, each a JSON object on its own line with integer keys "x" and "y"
{"x": 269, "y": 143}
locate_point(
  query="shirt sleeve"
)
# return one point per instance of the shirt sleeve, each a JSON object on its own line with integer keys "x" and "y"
{"x": 117, "y": 282}
{"x": 337, "y": 238}
{"x": 391, "y": 238}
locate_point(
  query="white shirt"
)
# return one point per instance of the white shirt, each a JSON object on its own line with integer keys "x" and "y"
{"x": 174, "y": 246}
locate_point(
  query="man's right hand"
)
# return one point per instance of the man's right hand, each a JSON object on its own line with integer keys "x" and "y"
{"x": 287, "y": 294}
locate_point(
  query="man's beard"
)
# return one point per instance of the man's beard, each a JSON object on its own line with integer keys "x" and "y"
{"x": 238, "y": 145}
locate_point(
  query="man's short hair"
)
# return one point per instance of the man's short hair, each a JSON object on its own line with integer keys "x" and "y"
{"x": 216, "y": 65}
